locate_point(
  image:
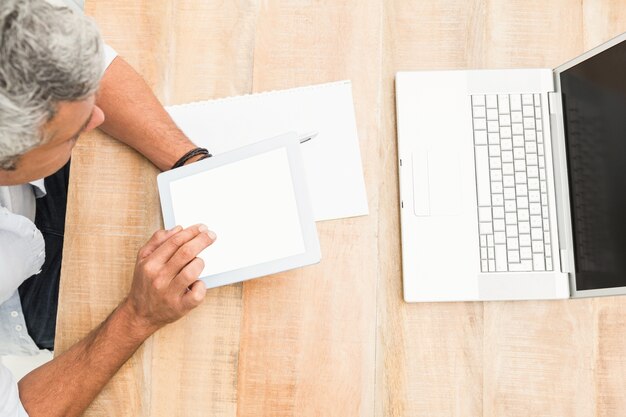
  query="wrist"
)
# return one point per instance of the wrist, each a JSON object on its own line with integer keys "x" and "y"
{"x": 137, "y": 324}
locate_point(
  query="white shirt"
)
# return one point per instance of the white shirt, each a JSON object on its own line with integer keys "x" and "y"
{"x": 21, "y": 256}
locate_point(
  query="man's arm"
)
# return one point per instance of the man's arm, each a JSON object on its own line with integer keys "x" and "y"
{"x": 134, "y": 116}
{"x": 165, "y": 287}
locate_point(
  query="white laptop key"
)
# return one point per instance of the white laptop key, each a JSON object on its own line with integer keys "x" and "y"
{"x": 536, "y": 221}
{"x": 523, "y": 266}
{"x": 494, "y": 150}
{"x": 484, "y": 214}
{"x": 539, "y": 262}
{"x": 535, "y": 208}
{"x": 529, "y": 129}
{"x": 511, "y": 218}
{"x": 479, "y": 111}
{"x": 478, "y": 100}
{"x": 516, "y": 102}
{"x": 501, "y": 259}
{"x": 524, "y": 227}
{"x": 522, "y": 214}
{"x": 522, "y": 201}
{"x": 482, "y": 176}
{"x": 503, "y": 104}
{"x": 480, "y": 137}
{"x": 534, "y": 196}
{"x": 529, "y": 123}
{"x": 524, "y": 240}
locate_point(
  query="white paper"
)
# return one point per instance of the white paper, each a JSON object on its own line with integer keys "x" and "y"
{"x": 332, "y": 160}
{"x": 256, "y": 224}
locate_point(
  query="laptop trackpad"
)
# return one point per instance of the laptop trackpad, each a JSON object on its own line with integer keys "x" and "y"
{"x": 436, "y": 183}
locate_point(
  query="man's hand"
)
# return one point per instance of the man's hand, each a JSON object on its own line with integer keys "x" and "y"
{"x": 166, "y": 286}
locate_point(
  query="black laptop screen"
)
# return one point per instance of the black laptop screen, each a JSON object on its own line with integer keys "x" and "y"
{"x": 594, "y": 101}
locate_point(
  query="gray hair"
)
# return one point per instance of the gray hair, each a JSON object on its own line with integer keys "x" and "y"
{"x": 48, "y": 54}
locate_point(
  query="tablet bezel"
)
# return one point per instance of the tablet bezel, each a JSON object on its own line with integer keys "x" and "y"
{"x": 290, "y": 142}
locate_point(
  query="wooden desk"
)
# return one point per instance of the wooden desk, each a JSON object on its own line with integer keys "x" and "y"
{"x": 335, "y": 339}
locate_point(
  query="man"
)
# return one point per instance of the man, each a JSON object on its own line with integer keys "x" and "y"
{"x": 51, "y": 65}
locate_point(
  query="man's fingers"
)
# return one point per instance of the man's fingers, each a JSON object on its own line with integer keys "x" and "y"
{"x": 195, "y": 295}
{"x": 157, "y": 240}
{"x": 188, "y": 275}
{"x": 168, "y": 248}
{"x": 187, "y": 253}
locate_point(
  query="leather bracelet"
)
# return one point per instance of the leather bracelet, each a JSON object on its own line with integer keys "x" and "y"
{"x": 191, "y": 154}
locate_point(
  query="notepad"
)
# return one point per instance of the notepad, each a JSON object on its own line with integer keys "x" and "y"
{"x": 332, "y": 160}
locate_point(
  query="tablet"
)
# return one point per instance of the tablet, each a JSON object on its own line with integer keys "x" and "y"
{"x": 256, "y": 200}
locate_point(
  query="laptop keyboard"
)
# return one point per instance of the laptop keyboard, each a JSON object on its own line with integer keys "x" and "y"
{"x": 511, "y": 187}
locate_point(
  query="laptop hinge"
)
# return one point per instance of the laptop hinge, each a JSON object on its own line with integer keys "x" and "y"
{"x": 552, "y": 103}
{"x": 560, "y": 181}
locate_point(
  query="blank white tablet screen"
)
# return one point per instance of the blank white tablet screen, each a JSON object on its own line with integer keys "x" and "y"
{"x": 250, "y": 204}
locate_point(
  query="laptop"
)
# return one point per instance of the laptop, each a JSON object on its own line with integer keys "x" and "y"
{"x": 513, "y": 182}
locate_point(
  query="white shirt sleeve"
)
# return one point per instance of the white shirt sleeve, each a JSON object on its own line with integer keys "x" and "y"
{"x": 109, "y": 55}
{"x": 22, "y": 251}
{"x": 10, "y": 404}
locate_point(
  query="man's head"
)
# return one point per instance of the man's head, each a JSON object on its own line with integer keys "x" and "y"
{"x": 51, "y": 61}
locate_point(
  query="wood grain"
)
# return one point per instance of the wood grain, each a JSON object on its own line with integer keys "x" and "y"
{"x": 334, "y": 339}
{"x": 307, "y": 337}
{"x": 429, "y": 356}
